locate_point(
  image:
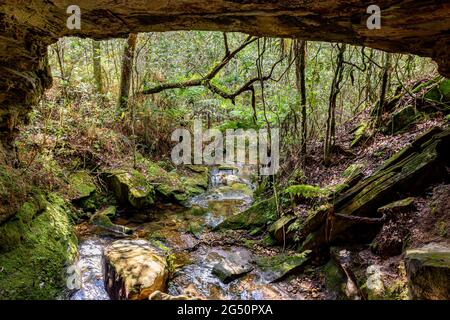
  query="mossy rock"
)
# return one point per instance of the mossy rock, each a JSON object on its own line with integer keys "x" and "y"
{"x": 315, "y": 219}
{"x": 13, "y": 189}
{"x": 235, "y": 187}
{"x": 440, "y": 92}
{"x": 102, "y": 220}
{"x": 277, "y": 267}
{"x": 353, "y": 170}
{"x": 40, "y": 243}
{"x": 82, "y": 184}
{"x": 428, "y": 270}
{"x": 131, "y": 188}
{"x": 402, "y": 119}
{"x": 408, "y": 172}
{"x": 359, "y": 134}
{"x": 335, "y": 279}
{"x": 398, "y": 206}
{"x": 258, "y": 215}
{"x": 168, "y": 185}
{"x": 196, "y": 182}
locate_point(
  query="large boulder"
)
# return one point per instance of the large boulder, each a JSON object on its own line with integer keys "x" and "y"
{"x": 82, "y": 185}
{"x": 35, "y": 247}
{"x": 133, "y": 270}
{"x": 233, "y": 266}
{"x": 130, "y": 187}
{"x": 428, "y": 270}
{"x": 275, "y": 268}
{"x": 254, "y": 218}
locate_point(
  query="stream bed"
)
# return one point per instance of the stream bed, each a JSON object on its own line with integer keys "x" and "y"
{"x": 178, "y": 231}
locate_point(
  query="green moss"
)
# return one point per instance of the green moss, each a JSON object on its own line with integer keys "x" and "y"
{"x": 402, "y": 119}
{"x": 196, "y": 183}
{"x": 440, "y": 92}
{"x": 258, "y": 215}
{"x": 34, "y": 267}
{"x": 82, "y": 184}
{"x": 131, "y": 187}
{"x": 335, "y": 279}
{"x": 281, "y": 265}
{"x": 242, "y": 187}
{"x": 359, "y": 134}
{"x": 227, "y": 167}
{"x": 353, "y": 170}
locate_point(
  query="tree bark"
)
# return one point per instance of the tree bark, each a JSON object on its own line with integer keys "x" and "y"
{"x": 384, "y": 86}
{"x": 97, "y": 64}
{"x": 127, "y": 67}
{"x": 300, "y": 66}
{"x": 331, "y": 120}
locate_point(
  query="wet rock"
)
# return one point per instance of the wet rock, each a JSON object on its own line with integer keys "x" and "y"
{"x": 233, "y": 266}
{"x": 102, "y": 220}
{"x": 158, "y": 295}
{"x": 131, "y": 188}
{"x": 374, "y": 283}
{"x": 428, "y": 271}
{"x": 277, "y": 267}
{"x": 133, "y": 270}
{"x": 257, "y": 216}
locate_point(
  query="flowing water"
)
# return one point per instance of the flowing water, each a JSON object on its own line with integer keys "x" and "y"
{"x": 176, "y": 229}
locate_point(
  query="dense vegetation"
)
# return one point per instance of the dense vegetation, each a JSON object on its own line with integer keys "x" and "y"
{"x": 100, "y": 139}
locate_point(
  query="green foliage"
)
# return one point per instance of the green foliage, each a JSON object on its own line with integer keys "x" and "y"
{"x": 304, "y": 191}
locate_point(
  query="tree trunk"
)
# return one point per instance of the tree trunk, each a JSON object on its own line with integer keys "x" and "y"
{"x": 331, "y": 120}
{"x": 384, "y": 86}
{"x": 127, "y": 67}
{"x": 97, "y": 64}
{"x": 300, "y": 66}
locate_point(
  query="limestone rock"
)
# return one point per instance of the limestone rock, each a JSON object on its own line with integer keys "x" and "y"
{"x": 133, "y": 270}
{"x": 428, "y": 270}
